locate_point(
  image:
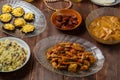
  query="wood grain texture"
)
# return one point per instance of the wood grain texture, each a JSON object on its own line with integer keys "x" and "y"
{"x": 34, "y": 71}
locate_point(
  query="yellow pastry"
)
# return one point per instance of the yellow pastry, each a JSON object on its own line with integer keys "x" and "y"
{"x": 29, "y": 16}
{"x": 28, "y": 0}
{"x": 18, "y": 12}
{"x": 28, "y": 28}
{"x": 5, "y": 17}
{"x": 9, "y": 27}
{"x": 6, "y": 8}
{"x": 19, "y": 22}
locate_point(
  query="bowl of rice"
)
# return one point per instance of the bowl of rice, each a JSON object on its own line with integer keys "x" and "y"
{"x": 14, "y": 54}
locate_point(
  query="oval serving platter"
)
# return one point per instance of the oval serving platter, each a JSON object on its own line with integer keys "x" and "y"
{"x": 39, "y": 22}
{"x": 42, "y": 46}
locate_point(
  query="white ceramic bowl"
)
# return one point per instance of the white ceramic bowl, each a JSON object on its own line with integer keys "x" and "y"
{"x": 23, "y": 44}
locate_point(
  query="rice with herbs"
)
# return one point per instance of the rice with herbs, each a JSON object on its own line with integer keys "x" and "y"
{"x": 12, "y": 55}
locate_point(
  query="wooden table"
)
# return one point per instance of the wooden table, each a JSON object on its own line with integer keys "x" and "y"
{"x": 34, "y": 71}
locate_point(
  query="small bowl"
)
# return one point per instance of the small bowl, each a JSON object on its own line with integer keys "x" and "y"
{"x": 66, "y": 12}
{"x": 106, "y": 11}
{"x": 22, "y": 44}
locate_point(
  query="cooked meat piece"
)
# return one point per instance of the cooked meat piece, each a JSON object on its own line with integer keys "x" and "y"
{"x": 72, "y": 67}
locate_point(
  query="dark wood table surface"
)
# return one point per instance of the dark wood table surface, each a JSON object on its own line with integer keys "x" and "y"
{"x": 35, "y": 71}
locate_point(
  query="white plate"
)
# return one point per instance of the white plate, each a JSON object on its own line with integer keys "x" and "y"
{"x": 22, "y": 44}
{"x": 103, "y": 4}
{"x": 39, "y": 22}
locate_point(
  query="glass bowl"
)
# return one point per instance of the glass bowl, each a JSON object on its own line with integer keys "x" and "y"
{"x": 23, "y": 44}
{"x": 105, "y": 11}
{"x": 42, "y": 46}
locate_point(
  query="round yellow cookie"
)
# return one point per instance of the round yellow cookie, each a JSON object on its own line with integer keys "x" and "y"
{"x": 28, "y": 28}
{"x": 5, "y": 17}
{"x": 18, "y": 12}
{"x": 9, "y": 27}
{"x": 7, "y": 8}
{"x": 29, "y": 16}
{"x": 19, "y": 22}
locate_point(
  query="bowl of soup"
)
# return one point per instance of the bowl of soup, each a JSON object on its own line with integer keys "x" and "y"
{"x": 103, "y": 25}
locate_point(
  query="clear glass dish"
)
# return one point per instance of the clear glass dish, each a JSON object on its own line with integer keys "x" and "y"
{"x": 106, "y": 11}
{"x": 44, "y": 44}
{"x": 39, "y": 22}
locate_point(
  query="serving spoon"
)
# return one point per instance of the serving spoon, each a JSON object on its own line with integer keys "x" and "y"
{"x": 106, "y": 4}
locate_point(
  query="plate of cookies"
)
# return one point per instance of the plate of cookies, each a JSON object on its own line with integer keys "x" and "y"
{"x": 21, "y": 19}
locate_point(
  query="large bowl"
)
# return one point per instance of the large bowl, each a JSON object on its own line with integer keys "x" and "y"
{"x": 43, "y": 45}
{"x": 105, "y": 11}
